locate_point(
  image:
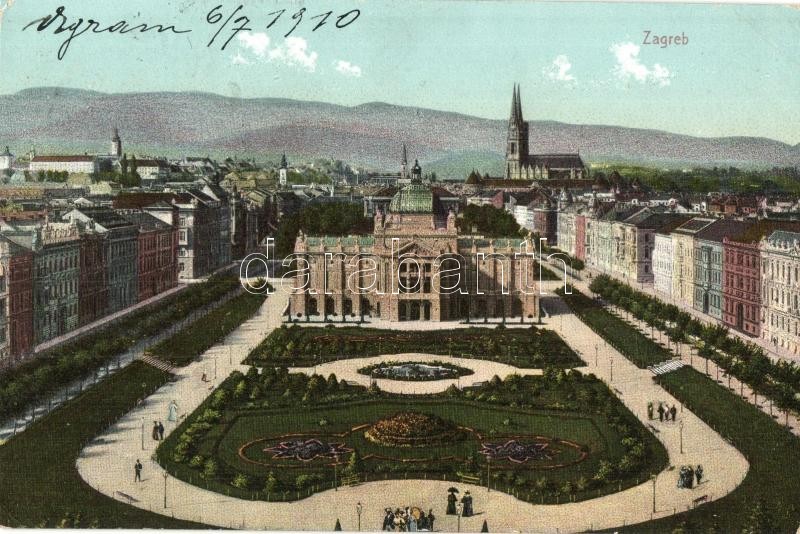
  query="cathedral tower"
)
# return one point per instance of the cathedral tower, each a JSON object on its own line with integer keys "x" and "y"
{"x": 517, "y": 141}
{"x": 404, "y": 163}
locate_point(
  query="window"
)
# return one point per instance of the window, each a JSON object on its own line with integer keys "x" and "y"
{"x": 182, "y": 236}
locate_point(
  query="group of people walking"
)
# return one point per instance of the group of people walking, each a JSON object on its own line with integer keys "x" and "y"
{"x": 687, "y": 475}
{"x": 407, "y": 519}
{"x": 665, "y": 412}
{"x": 158, "y": 431}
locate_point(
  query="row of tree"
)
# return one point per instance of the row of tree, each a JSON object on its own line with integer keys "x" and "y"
{"x": 747, "y": 362}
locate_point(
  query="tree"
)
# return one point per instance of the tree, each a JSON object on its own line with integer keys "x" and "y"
{"x": 485, "y": 527}
{"x": 354, "y": 464}
{"x": 338, "y": 526}
{"x": 123, "y": 163}
{"x": 271, "y": 485}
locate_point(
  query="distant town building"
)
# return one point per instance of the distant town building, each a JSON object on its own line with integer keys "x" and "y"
{"x": 85, "y": 164}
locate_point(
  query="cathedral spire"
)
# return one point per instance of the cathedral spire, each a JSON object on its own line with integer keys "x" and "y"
{"x": 519, "y": 106}
{"x": 404, "y": 156}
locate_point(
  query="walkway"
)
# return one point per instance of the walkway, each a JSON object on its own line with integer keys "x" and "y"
{"x": 107, "y": 463}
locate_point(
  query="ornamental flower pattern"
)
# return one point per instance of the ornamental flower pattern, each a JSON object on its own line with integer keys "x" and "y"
{"x": 306, "y": 450}
{"x": 516, "y": 452}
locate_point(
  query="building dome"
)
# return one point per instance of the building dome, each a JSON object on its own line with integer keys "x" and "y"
{"x": 414, "y": 198}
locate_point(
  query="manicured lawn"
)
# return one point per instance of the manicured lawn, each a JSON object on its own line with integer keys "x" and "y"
{"x": 773, "y": 453}
{"x": 192, "y": 341}
{"x": 597, "y": 445}
{"x": 40, "y": 483}
{"x": 307, "y": 346}
{"x": 637, "y": 347}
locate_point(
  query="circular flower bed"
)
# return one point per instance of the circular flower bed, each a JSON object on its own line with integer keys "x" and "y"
{"x": 413, "y": 429}
{"x": 415, "y": 371}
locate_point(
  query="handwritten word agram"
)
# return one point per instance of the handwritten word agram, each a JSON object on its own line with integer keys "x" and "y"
{"x": 60, "y": 24}
{"x": 81, "y": 26}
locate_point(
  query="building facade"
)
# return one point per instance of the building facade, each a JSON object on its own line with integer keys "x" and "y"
{"x": 708, "y": 264}
{"x": 16, "y": 262}
{"x": 56, "y": 280}
{"x": 683, "y": 253}
{"x": 663, "y": 261}
{"x": 120, "y": 238}
{"x": 780, "y": 282}
{"x": 71, "y": 164}
{"x": 416, "y": 266}
{"x": 157, "y": 254}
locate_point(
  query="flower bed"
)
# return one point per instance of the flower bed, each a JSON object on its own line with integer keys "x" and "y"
{"x": 412, "y": 429}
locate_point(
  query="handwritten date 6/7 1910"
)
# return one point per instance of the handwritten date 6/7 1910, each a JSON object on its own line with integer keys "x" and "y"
{"x": 231, "y": 22}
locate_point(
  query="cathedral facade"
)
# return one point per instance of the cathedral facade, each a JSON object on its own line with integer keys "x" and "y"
{"x": 522, "y": 165}
{"x": 415, "y": 266}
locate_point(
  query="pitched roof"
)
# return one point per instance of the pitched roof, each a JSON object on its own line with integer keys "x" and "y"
{"x": 145, "y": 221}
{"x": 694, "y": 225}
{"x": 61, "y": 159}
{"x": 556, "y": 161}
{"x": 723, "y": 228}
{"x": 758, "y": 230}
{"x": 141, "y": 200}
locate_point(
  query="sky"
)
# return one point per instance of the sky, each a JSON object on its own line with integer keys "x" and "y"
{"x": 584, "y": 63}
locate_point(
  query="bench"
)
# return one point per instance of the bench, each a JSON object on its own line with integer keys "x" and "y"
{"x": 469, "y": 479}
{"x": 700, "y": 500}
{"x": 350, "y": 480}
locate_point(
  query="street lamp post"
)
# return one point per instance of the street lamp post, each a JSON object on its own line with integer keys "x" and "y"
{"x": 488, "y": 474}
{"x": 611, "y": 362}
{"x": 459, "y": 510}
{"x": 359, "y": 509}
{"x": 595, "y": 354}
{"x": 680, "y": 426}
{"x": 142, "y": 433}
{"x": 653, "y": 478}
{"x": 166, "y": 475}
{"x": 215, "y": 367}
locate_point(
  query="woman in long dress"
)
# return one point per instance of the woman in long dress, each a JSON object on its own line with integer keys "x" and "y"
{"x": 173, "y": 412}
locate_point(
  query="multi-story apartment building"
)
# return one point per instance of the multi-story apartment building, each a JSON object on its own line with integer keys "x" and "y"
{"x": 93, "y": 285}
{"x": 708, "y": 264}
{"x": 607, "y": 240}
{"x": 742, "y": 275}
{"x": 56, "y": 248}
{"x": 16, "y": 263}
{"x": 683, "y": 253}
{"x": 121, "y": 240}
{"x": 664, "y": 255}
{"x": 203, "y": 227}
{"x": 780, "y": 280}
{"x": 157, "y": 254}
{"x": 637, "y": 235}
{"x": 571, "y": 233}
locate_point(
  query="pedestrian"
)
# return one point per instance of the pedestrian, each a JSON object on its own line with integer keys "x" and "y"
{"x": 699, "y": 473}
{"x": 431, "y": 518}
{"x": 661, "y": 412}
{"x": 137, "y": 469}
{"x": 673, "y": 412}
{"x": 172, "y": 411}
{"x": 155, "y": 430}
{"x": 160, "y": 431}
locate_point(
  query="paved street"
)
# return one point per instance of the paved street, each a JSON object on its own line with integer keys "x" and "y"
{"x": 107, "y": 463}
